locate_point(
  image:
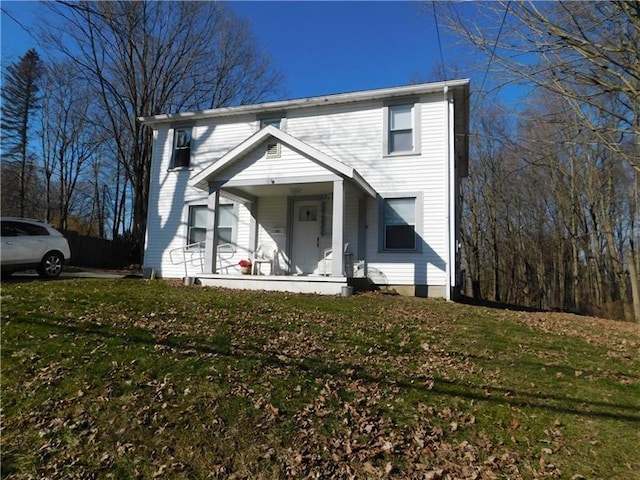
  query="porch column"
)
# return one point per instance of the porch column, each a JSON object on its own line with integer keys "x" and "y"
{"x": 210, "y": 244}
{"x": 337, "y": 239}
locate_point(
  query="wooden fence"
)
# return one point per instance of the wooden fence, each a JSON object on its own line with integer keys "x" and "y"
{"x": 94, "y": 252}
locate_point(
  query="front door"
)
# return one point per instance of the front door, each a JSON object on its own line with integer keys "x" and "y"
{"x": 306, "y": 236}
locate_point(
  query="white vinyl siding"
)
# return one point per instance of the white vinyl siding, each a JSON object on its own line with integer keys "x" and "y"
{"x": 257, "y": 167}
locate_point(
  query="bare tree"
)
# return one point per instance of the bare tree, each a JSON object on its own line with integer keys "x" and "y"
{"x": 68, "y": 142}
{"x": 146, "y": 58}
{"x": 586, "y": 52}
{"x": 587, "y": 56}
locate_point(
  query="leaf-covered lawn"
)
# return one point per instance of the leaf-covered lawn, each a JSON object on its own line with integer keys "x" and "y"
{"x": 133, "y": 379}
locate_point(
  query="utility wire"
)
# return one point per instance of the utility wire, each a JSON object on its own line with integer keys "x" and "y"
{"x": 27, "y": 30}
{"x": 435, "y": 18}
{"x": 495, "y": 45}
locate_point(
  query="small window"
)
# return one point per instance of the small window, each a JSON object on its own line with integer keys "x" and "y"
{"x": 181, "y": 148}
{"x": 400, "y": 129}
{"x": 399, "y": 218}
{"x": 308, "y": 213}
{"x": 270, "y": 121}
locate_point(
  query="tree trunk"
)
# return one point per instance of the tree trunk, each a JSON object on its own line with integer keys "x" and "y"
{"x": 634, "y": 267}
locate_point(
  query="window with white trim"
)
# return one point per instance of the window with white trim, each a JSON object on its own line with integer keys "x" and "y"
{"x": 197, "y": 230}
{"x": 198, "y": 223}
{"x": 399, "y": 224}
{"x": 401, "y": 128}
{"x": 181, "y": 148}
{"x": 226, "y": 223}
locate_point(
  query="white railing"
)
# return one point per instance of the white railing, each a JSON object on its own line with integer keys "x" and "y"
{"x": 189, "y": 255}
{"x": 192, "y": 255}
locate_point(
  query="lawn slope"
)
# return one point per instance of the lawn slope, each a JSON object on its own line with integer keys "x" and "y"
{"x": 136, "y": 379}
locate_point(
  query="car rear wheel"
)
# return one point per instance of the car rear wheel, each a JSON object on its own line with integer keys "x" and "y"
{"x": 51, "y": 265}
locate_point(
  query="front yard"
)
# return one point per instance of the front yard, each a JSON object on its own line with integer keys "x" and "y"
{"x": 136, "y": 379}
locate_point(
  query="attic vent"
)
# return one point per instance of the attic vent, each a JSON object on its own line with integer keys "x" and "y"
{"x": 273, "y": 149}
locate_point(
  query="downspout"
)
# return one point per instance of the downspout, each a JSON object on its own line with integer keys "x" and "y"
{"x": 450, "y": 270}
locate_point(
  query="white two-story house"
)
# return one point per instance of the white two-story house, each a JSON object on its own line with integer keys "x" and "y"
{"x": 315, "y": 192}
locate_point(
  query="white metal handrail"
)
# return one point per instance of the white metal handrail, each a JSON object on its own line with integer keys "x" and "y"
{"x": 193, "y": 255}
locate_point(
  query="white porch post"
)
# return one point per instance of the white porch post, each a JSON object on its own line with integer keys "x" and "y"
{"x": 337, "y": 238}
{"x": 210, "y": 245}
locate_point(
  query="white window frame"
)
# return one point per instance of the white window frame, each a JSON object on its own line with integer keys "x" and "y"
{"x": 190, "y": 227}
{"x": 234, "y": 223}
{"x": 414, "y": 104}
{"x": 417, "y": 224}
{"x": 233, "y": 226}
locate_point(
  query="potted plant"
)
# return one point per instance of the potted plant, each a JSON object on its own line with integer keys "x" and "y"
{"x": 245, "y": 267}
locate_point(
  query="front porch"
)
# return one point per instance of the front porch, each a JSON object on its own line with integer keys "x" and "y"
{"x": 293, "y": 203}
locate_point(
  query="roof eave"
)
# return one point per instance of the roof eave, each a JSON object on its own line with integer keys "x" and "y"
{"x": 341, "y": 98}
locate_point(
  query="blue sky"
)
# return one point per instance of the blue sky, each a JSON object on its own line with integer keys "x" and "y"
{"x": 322, "y": 47}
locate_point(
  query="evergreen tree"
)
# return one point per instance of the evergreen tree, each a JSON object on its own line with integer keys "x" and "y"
{"x": 20, "y": 100}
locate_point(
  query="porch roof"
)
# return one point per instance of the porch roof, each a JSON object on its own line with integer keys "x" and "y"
{"x": 202, "y": 179}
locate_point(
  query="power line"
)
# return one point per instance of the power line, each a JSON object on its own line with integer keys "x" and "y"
{"x": 435, "y": 18}
{"x": 8, "y": 14}
{"x": 495, "y": 45}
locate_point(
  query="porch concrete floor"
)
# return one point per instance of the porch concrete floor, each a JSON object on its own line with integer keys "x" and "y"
{"x": 279, "y": 283}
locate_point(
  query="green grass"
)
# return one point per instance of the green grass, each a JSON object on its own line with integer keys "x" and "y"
{"x": 134, "y": 379}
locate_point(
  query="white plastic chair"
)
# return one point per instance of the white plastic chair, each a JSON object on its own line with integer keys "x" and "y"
{"x": 328, "y": 257}
{"x": 265, "y": 253}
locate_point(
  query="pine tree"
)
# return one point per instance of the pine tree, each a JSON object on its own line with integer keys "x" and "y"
{"x": 20, "y": 100}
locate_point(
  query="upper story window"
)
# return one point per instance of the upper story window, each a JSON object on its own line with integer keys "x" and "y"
{"x": 181, "y": 147}
{"x": 401, "y": 129}
{"x": 276, "y": 122}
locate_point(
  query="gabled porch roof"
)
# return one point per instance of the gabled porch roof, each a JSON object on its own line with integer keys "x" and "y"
{"x": 210, "y": 173}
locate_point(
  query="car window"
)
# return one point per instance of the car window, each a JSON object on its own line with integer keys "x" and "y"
{"x": 7, "y": 229}
{"x": 18, "y": 229}
{"x": 32, "y": 229}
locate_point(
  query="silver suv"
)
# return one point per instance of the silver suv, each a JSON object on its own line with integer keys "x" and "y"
{"x": 27, "y": 244}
